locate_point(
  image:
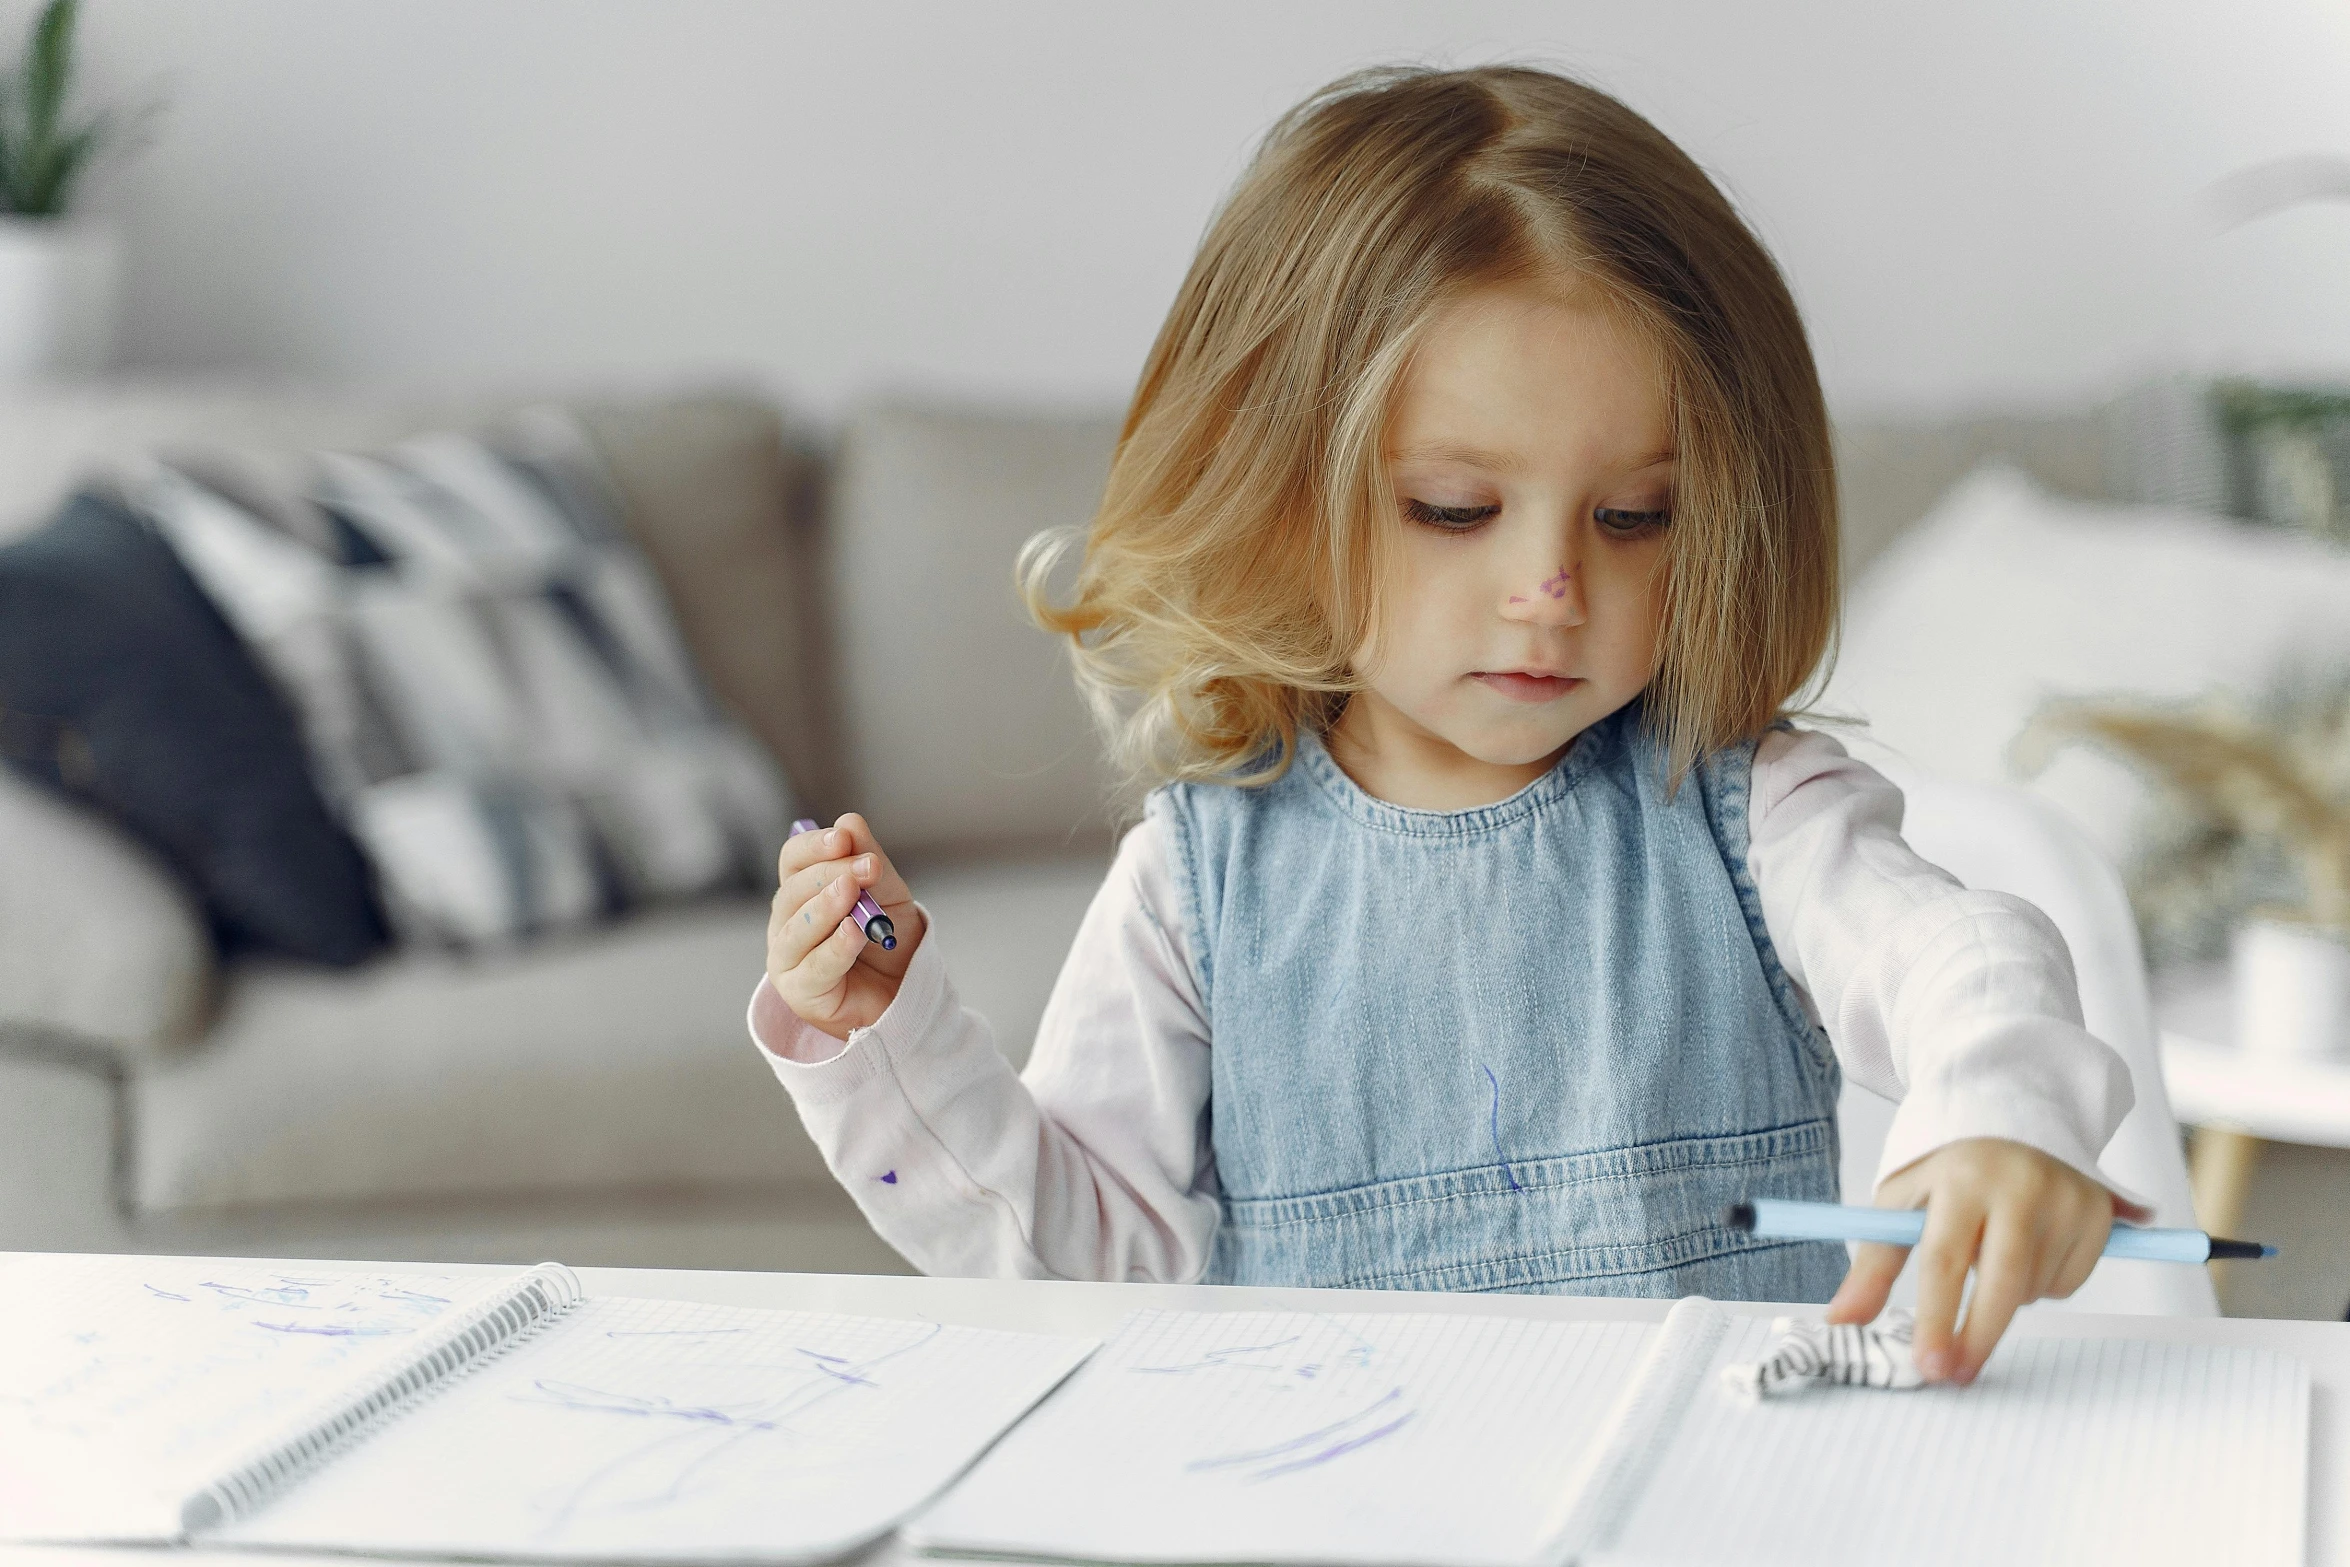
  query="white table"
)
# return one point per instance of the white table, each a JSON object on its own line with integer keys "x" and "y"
{"x": 2235, "y": 1099}
{"x": 1095, "y": 1309}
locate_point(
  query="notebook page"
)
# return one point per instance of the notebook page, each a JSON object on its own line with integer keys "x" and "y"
{"x": 126, "y": 1383}
{"x": 1289, "y": 1437}
{"x": 2072, "y": 1451}
{"x": 670, "y": 1430}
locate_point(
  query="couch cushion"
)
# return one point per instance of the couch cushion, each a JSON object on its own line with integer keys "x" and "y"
{"x": 961, "y": 724}
{"x": 2007, "y": 596}
{"x": 616, "y": 1062}
{"x": 720, "y": 502}
{"x": 97, "y": 940}
{"x": 494, "y": 691}
{"x": 121, "y": 685}
{"x": 724, "y": 507}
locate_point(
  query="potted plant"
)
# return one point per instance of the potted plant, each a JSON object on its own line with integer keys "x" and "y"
{"x": 2278, "y": 778}
{"x": 57, "y": 270}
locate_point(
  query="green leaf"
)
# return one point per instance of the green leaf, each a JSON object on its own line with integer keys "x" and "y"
{"x": 8, "y": 157}
{"x": 49, "y": 176}
{"x": 48, "y": 68}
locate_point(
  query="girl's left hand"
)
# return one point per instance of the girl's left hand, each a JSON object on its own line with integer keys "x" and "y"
{"x": 2030, "y": 1226}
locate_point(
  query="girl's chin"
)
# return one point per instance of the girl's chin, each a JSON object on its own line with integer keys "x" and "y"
{"x": 1514, "y": 748}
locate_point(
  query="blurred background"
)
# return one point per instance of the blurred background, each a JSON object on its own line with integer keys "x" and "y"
{"x": 472, "y": 470}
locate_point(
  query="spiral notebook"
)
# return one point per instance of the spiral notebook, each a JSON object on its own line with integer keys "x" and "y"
{"x": 497, "y": 1416}
{"x": 1460, "y": 1441}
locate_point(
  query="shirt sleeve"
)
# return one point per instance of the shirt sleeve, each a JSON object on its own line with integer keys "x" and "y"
{"x": 1093, "y": 1164}
{"x": 1961, "y": 1004}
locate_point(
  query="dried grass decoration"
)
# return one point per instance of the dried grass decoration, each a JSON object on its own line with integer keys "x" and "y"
{"x": 2252, "y": 851}
{"x": 2254, "y": 816}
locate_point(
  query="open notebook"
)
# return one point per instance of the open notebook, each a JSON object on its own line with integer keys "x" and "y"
{"x": 485, "y": 1416}
{"x": 1496, "y": 1442}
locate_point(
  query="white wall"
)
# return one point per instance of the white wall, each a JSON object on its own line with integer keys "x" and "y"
{"x": 1976, "y": 202}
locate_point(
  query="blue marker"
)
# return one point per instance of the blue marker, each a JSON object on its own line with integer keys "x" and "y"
{"x": 1825, "y": 1221}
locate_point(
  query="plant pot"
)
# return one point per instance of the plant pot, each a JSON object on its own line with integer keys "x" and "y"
{"x": 57, "y": 293}
{"x": 2292, "y": 988}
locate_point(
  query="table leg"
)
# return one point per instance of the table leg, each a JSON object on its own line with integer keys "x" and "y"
{"x": 2220, "y": 1166}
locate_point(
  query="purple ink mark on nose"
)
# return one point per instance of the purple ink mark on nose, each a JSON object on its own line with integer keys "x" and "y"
{"x": 891, "y": 1179}
{"x": 1556, "y": 586}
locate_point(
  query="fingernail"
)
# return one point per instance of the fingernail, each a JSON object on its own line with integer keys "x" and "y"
{"x": 836, "y": 840}
{"x": 864, "y": 864}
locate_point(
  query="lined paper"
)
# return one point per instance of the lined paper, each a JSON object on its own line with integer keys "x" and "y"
{"x": 127, "y": 1382}
{"x": 671, "y": 1430}
{"x": 1292, "y": 1437}
{"x": 2069, "y": 1451}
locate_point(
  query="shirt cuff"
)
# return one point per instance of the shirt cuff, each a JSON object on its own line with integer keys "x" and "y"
{"x": 817, "y": 1069}
{"x": 2039, "y": 1081}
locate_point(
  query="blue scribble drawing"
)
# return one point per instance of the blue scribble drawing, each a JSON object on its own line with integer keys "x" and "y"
{"x": 1338, "y": 1438}
{"x": 288, "y": 1295}
{"x": 1499, "y": 1157}
{"x": 1222, "y": 1360}
{"x": 1326, "y": 1393}
{"x": 334, "y": 1329}
{"x": 166, "y": 1294}
{"x": 692, "y": 1437}
{"x": 412, "y": 1298}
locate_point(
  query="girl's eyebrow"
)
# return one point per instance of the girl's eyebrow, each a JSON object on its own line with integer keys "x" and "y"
{"x": 1467, "y": 456}
{"x": 1505, "y": 462}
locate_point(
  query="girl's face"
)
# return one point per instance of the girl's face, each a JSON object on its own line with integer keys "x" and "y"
{"x": 1531, "y": 455}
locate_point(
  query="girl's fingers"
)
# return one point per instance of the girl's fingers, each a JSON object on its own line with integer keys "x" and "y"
{"x": 1943, "y": 1255}
{"x": 803, "y": 850}
{"x": 794, "y": 932}
{"x": 888, "y": 887}
{"x": 2073, "y": 1270}
{"x": 1867, "y": 1282}
{"x": 2006, "y": 1277}
{"x": 829, "y": 961}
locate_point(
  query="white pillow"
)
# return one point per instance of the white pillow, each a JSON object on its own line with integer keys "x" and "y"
{"x": 2006, "y": 596}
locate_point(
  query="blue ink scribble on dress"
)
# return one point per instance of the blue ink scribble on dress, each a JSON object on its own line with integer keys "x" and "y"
{"x": 1506, "y": 1173}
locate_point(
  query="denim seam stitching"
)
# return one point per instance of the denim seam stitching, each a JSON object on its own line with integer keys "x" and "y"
{"x": 1774, "y": 1143}
{"x": 1541, "y": 795}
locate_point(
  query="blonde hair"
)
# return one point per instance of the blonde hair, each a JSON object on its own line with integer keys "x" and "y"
{"x": 1233, "y": 567}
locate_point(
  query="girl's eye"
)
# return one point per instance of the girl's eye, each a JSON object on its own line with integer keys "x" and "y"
{"x": 1457, "y": 519}
{"x": 1630, "y": 524}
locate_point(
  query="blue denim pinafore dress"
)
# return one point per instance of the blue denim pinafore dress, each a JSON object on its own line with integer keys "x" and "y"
{"x": 1539, "y": 1045}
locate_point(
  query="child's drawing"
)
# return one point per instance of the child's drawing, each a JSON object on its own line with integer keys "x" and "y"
{"x": 1306, "y": 1399}
{"x": 763, "y": 1415}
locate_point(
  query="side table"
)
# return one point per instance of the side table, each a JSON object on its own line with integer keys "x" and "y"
{"x": 2235, "y": 1101}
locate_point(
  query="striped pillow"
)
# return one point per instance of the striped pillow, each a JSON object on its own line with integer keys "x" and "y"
{"x": 493, "y": 691}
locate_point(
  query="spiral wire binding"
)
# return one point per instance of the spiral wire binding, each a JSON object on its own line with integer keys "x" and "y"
{"x": 536, "y": 1299}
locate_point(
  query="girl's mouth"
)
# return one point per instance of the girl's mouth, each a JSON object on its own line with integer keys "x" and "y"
{"x": 1519, "y": 686}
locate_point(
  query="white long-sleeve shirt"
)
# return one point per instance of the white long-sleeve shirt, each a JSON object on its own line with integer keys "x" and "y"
{"x": 1095, "y": 1162}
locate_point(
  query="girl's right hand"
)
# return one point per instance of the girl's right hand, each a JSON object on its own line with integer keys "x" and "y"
{"x": 817, "y": 959}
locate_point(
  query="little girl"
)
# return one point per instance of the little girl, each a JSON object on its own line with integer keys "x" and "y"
{"x": 1471, "y": 532}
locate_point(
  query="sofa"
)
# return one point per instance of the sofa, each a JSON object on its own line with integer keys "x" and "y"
{"x": 848, "y": 597}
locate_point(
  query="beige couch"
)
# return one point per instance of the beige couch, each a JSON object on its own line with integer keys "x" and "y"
{"x": 595, "y": 1098}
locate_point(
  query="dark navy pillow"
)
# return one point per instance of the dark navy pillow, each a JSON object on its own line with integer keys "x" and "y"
{"x": 120, "y": 684}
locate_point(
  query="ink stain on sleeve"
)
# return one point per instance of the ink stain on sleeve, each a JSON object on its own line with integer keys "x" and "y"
{"x": 890, "y": 1178}
{"x": 1499, "y": 1157}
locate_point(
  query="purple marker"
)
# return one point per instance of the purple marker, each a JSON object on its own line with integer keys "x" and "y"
{"x": 870, "y": 919}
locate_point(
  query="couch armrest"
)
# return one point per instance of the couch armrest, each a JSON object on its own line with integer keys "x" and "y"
{"x": 98, "y": 942}
{"x": 64, "y": 1153}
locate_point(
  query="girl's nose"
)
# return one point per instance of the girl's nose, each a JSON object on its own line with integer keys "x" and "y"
{"x": 1557, "y": 599}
